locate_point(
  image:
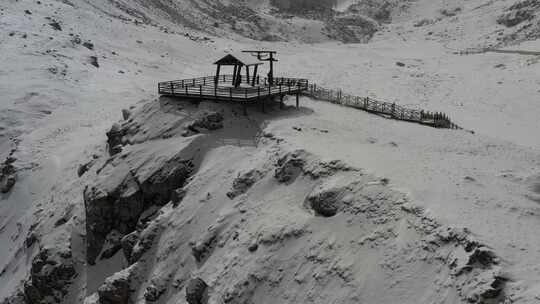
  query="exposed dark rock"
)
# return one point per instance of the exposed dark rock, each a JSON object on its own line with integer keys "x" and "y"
{"x": 76, "y": 40}
{"x": 8, "y": 175}
{"x": 243, "y": 182}
{"x": 153, "y": 293}
{"x": 112, "y": 245}
{"x": 195, "y": 291}
{"x": 55, "y": 25}
{"x": 31, "y": 239}
{"x": 116, "y": 288}
{"x": 327, "y": 202}
{"x": 114, "y": 139}
{"x": 519, "y": 12}
{"x": 450, "y": 12}
{"x": 160, "y": 186}
{"x": 128, "y": 242}
{"x": 178, "y": 196}
{"x": 94, "y": 61}
{"x": 83, "y": 168}
{"x": 126, "y": 114}
{"x": 50, "y": 276}
{"x": 207, "y": 120}
{"x": 119, "y": 204}
{"x": 107, "y": 211}
{"x": 289, "y": 167}
{"x": 88, "y": 45}
{"x": 515, "y": 17}
{"x": 146, "y": 240}
{"x": 253, "y": 247}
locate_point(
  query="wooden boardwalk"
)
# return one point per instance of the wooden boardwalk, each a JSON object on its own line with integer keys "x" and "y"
{"x": 259, "y": 90}
{"x": 386, "y": 109}
{"x": 206, "y": 88}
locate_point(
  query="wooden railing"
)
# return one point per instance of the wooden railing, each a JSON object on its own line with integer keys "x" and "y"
{"x": 391, "y": 110}
{"x": 205, "y": 87}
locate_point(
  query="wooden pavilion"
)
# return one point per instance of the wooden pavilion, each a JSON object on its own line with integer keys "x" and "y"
{"x": 238, "y": 61}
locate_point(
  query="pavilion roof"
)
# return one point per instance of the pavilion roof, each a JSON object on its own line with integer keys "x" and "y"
{"x": 238, "y": 59}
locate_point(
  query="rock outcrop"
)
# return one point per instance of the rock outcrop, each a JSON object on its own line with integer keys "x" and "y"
{"x": 8, "y": 175}
{"x": 119, "y": 202}
{"x": 114, "y": 139}
{"x": 50, "y": 276}
{"x": 519, "y": 12}
{"x": 116, "y": 288}
{"x": 243, "y": 182}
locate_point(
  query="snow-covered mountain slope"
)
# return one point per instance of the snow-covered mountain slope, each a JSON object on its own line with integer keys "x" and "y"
{"x": 422, "y": 215}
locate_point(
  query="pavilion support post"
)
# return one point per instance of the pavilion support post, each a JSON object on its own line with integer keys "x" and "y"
{"x": 297, "y": 100}
{"x": 234, "y": 75}
{"x": 217, "y": 74}
{"x": 247, "y": 74}
{"x": 271, "y": 73}
{"x": 238, "y": 78}
{"x": 254, "y": 75}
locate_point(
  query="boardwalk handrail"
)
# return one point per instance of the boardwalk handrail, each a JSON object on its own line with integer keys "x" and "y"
{"x": 391, "y": 109}
{"x": 205, "y": 87}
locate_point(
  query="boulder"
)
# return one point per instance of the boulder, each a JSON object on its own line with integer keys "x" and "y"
{"x": 116, "y": 288}
{"x": 289, "y": 167}
{"x": 126, "y": 114}
{"x": 114, "y": 139}
{"x": 243, "y": 182}
{"x": 195, "y": 291}
{"x": 327, "y": 202}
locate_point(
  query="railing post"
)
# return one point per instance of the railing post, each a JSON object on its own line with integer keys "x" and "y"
{"x": 215, "y": 91}
{"x": 245, "y": 92}
{"x": 193, "y": 81}
{"x": 204, "y": 81}
{"x": 172, "y": 88}
{"x": 230, "y": 93}
{"x": 182, "y": 83}
{"x": 200, "y": 90}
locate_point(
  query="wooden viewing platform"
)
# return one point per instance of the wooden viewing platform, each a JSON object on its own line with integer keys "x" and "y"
{"x": 248, "y": 91}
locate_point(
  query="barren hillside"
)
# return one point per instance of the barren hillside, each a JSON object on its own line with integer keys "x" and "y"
{"x": 111, "y": 194}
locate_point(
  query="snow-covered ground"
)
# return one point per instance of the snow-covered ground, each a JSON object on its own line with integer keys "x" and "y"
{"x": 55, "y": 107}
